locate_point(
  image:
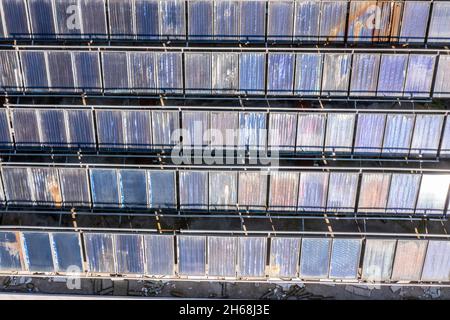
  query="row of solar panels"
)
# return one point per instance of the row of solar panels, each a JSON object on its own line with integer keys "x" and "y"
{"x": 205, "y": 73}
{"x": 200, "y": 20}
{"x": 283, "y": 191}
{"x": 363, "y": 133}
{"x": 372, "y": 260}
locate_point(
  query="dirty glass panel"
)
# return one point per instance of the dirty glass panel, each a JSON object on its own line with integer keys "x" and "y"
{"x": 398, "y": 133}
{"x": 225, "y": 72}
{"x": 45, "y": 186}
{"x": 252, "y": 256}
{"x": 42, "y": 20}
{"x": 284, "y": 257}
{"x": 280, "y": 73}
{"x": 87, "y": 69}
{"x": 252, "y": 20}
{"x": 369, "y": 132}
{"x": 17, "y": 186}
{"x": 441, "y": 84}
{"x": 414, "y": 22}
{"x": 93, "y": 17}
{"x": 143, "y": 71}
{"x": 361, "y": 22}
{"x": 137, "y": 129}
{"x": 307, "y": 14}
{"x": 433, "y": 193}
{"x": 419, "y": 76}
{"x": 252, "y": 190}
{"x": 315, "y": 258}
{"x": 162, "y": 192}
{"x": 10, "y": 74}
{"x": 222, "y": 190}
{"x": 403, "y": 193}
{"x": 192, "y": 255}
{"x": 252, "y": 130}
{"x": 34, "y": 70}
{"x": 282, "y": 128}
{"x": 115, "y": 72}
{"x": 226, "y": 20}
{"x": 133, "y": 188}
{"x": 310, "y": 132}
{"x": 280, "y": 20}
{"x": 338, "y": 200}
{"x": 170, "y": 72}
{"x": 10, "y": 257}
{"x": 74, "y": 187}
{"x": 164, "y": 124}
{"x": 172, "y": 19}
{"x": 194, "y": 190}
{"x": 336, "y": 74}
{"x": 312, "y": 191}
{"x": 129, "y": 253}
{"x": 439, "y": 31}
{"x": 283, "y": 190}
{"x": 252, "y": 71}
{"x": 364, "y": 74}
{"x": 25, "y": 126}
{"x": 104, "y": 187}
{"x": 308, "y": 74}
{"x": 159, "y": 254}
{"x": 378, "y": 259}
{"x": 222, "y": 256}
{"x": 147, "y": 19}
{"x": 67, "y": 252}
{"x": 60, "y": 71}
{"x": 198, "y": 72}
{"x": 390, "y": 14}
{"x": 200, "y": 25}
{"x": 345, "y": 255}
{"x": 120, "y": 15}
{"x": 339, "y": 137}
{"x": 99, "y": 252}
{"x": 195, "y": 125}
{"x": 53, "y": 128}
{"x": 16, "y": 21}
{"x": 81, "y": 130}
{"x": 5, "y": 134}
{"x": 408, "y": 261}
{"x": 224, "y": 126}
{"x": 392, "y": 75}
{"x": 37, "y": 251}
{"x": 427, "y": 134}
{"x": 437, "y": 261}
{"x": 374, "y": 192}
{"x": 332, "y": 21}
{"x": 109, "y": 129}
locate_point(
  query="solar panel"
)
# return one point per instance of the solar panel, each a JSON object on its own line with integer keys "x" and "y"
{"x": 200, "y": 25}
{"x": 441, "y": 85}
{"x": 369, "y": 132}
{"x": 340, "y": 127}
{"x": 10, "y": 257}
{"x": 312, "y": 191}
{"x": 42, "y": 19}
{"x": 222, "y": 190}
{"x": 252, "y": 20}
{"x": 81, "y": 128}
{"x": 129, "y": 253}
{"x": 147, "y": 19}
{"x": 282, "y": 131}
{"x": 283, "y": 190}
{"x": 93, "y": 16}
{"x": 159, "y": 252}
{"x": 224, "y": 126}
{"x": 414, "y": 22}
{"x": 37, "y": 252}
{"x": 87, "y": 69}
{"x": 280, "y": 20}
{"x": 310, "y": 132}
{"x": 133, "y": 188}
{"x": 445, "y": 145}
{"x": 172, "y": 19}
{"x": 104, "y": 187}
{"x": 252, "y": 70}
{"x": 284, "y": 257}
{"x": 5, "y": 132}
{"x": 252, "y": 190}
{"x": 345, "y": 255}
{"x": 45, "y": 186}
{"x": 374, "y": 192}
{"x": 66, "y": 252}
{"x": 68, "y": 24}
{"x": 252, "y": 257}
{"x": 392, "y": 75}
{"x": 53, "y": 128}
{"x": 378, "y": 260}
{"x": 339, "y": 201}
{"x": 361, "y": 20}
{"x": 120, "y": 15}
{"x": 308, "y": 74}
{"x": 419, "y": 76}
{"x": 34, "y": 70}
{"x": 198, "y": 70}
{"x": 336, "y": 74}
{"x": 16, "y": 24}
{"x": 99, "y": 252}
{"x": 164, "y": 124}
{"x": 332, "y": 21}
{"x": 226, "y": 20}
{"x": 110, "y": 129}
{"x": 252, "y": 133}
{"x": 162, "y": 191}
{"x": 439, "y": 31}
{"x": 427, "y": 133}
{"x": 193, "y": 190}
{"x": 222, "y": 256}
{"x": 17, "y": 186}
{"x": 437, "y": 261}
{"x": 74, "y": 187}
{"x": 143, "y": 72}
{"x": 191, "y": 255}
{"x": 280, "y": 73}
{"x": 306, "y": 26}
{"x": 389, "y": 21}
{"x": 398, "y": 133}
{"x": 170, "y": 72}
{"x": 403, "y": 193}
{"x": 10, "y": 75}
{"x": 433, "y": 193}
{"x": 137, "y": 129}
{"x": 196, "y": 125}
{"x": 408, "y": 261}
{"x": 364, "y": 74}
{"x": 225, "y": 76}
{"x": 115, "y": 72}
{"x": 315, "y": 258}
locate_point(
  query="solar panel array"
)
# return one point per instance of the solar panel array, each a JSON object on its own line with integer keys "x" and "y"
{"x": 308, "y": 74}
{"x": 252, "y": 257}
{"x": 244, "y": 21}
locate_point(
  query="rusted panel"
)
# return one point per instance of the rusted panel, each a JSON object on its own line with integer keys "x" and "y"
{"x": 362, "y": 20}
{"x": 283, "y": 190}
{"x": 10, "y": 253}
{"x": 333, "y": 20}
{"x": 390, "y": 13}
{"x": 374, "y": 192}
{"x": 408, "y": 261}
